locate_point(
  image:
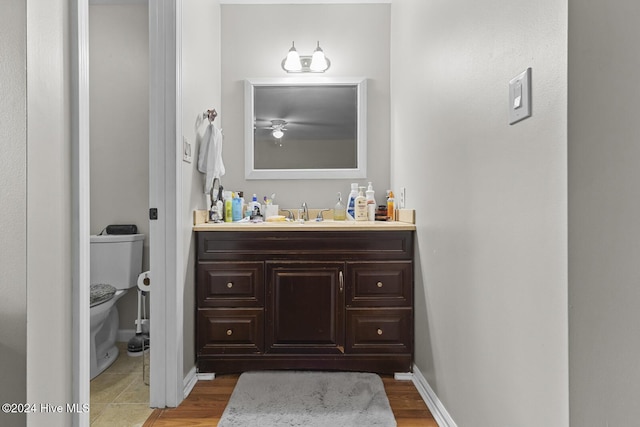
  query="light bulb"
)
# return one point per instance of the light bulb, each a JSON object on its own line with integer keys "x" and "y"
{"x": 292, "y": 63}
{"x": 277, "y": 133}
{"x": 318, "y": 61}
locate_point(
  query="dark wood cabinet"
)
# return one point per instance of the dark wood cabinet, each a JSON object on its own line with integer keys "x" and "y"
{"x": 320, "y": 300}
{"x": 305, "y": 307}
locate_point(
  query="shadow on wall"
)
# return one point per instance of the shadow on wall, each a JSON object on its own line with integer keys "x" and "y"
{"x": 423, "y": 346}
{"x": 13, "y": 388}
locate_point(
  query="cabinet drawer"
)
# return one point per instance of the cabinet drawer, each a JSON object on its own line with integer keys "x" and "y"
{"x": 379, "y": 331}
{"x": 230, "y": 284}
{"x": 380, "y": 284}
{"x": 230, "y": 330}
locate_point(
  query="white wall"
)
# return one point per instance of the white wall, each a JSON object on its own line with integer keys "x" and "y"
{"x": 604, "y": 212}
{"x": 48, "y": 255}
{"x": 119, "y": 102}
{"x": 201, "y": 92}
{"x": 255, "y": 38}
{"x": 491, "y": 276}
{"x": 13, "y": 221}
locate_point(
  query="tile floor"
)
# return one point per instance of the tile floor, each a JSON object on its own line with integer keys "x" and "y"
{"x": 119, "y": 396}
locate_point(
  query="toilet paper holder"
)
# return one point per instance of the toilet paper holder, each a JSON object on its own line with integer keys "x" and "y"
{"x": 144, "y": 281}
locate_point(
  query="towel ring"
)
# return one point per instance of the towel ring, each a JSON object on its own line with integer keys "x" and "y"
{"x": 210, "y": 114}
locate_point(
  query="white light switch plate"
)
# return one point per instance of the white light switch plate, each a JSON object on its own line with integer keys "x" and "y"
{"x": 186, "y": 150}
{"x": 520, "y": 97}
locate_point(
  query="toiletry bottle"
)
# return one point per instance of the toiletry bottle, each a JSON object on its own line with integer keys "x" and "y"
{"x": 371, "y": 203}
{"x": 220, "y": 203}
{"x": 242, "y": 204}
{"x": 391, "y": 210}
{"x": 351, "y": 202}
{"x": 339, "y": 212}
{"x": 361, "y": 206}
{"x": 236, "y": 208}
{"x": 254, "y": 205}
{"x": 228, "y": 206}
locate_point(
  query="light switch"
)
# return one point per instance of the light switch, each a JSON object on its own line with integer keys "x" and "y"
{"x": 520, "y": 97}
{"x": 186, "y": 150}
{"x": 517, "y": 101}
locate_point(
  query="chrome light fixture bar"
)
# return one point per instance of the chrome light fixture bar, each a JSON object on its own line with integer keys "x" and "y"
{"x": 295, "y": 63}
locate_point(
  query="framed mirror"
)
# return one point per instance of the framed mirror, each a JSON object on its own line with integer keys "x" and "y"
{"x": 305, "y": 128}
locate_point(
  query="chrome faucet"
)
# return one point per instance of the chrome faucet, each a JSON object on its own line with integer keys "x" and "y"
{"x": 305, "y": 211}
{"x": 320, "y": 217}
{"x": 290, "y": 216}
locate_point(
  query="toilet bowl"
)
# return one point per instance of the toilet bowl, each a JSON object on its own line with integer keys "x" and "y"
{"x": 116, "y": 260}
{"x": 103, "y": 333}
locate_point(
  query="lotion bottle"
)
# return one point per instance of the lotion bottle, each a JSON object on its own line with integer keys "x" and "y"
{"x": 371, "y": 203}
{"x": 361, "y": 206}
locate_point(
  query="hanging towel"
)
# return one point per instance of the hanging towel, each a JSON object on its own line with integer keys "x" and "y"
{"x": 210, "y": 156}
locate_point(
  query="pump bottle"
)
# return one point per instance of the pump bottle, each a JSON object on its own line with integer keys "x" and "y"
{"x": 361, "y": 206}
{"x": 371, "y": 203}
{"x": 339, "y": 212}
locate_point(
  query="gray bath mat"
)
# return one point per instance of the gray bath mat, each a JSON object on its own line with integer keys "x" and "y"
{"x": 309, "y": 399}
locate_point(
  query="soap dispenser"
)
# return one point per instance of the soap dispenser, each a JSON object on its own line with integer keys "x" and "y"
{"x": 339, "y": 211}
{"x": 361, "y": 206}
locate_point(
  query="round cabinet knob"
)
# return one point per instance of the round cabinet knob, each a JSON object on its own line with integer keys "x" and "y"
{"x": 379, "y": 331}
{"x": 379, "y": 284}
{"x": 230, "y": 285}
{"x": 229, "y": 332}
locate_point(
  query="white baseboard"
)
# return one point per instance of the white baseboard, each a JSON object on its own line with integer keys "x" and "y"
{"x": 403, "y": 376}
{"x": 436, "y": 407}
{"x": 190, "y": 381}
{"x": 206, "y": 376}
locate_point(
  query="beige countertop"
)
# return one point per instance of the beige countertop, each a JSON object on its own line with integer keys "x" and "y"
{"x": 327, "y": 225}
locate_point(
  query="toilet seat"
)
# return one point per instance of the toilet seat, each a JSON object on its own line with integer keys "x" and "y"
{"x": 101, "y": 293}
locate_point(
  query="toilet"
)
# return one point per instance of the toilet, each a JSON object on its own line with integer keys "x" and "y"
{"x": 116, "y": 262}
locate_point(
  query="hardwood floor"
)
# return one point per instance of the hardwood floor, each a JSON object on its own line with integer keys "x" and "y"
{"x": 207, "y": 401}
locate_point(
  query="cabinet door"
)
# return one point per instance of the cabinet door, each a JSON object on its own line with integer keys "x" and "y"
{"x": 305, "y": 307}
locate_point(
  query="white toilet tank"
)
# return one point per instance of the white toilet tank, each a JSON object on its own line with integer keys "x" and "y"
{"x": 116, "y": 259}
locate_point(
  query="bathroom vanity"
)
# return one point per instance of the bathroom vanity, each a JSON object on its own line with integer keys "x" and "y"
{"x": 322, "y": 296}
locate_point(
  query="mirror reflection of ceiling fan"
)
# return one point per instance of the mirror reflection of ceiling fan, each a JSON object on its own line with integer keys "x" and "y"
{"x": 277, "y": 128}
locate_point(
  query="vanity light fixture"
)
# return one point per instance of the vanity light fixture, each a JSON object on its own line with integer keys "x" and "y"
{"x": 316, "y": 63}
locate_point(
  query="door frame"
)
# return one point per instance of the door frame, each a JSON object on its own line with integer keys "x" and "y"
{"x": 165, "y": 193}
